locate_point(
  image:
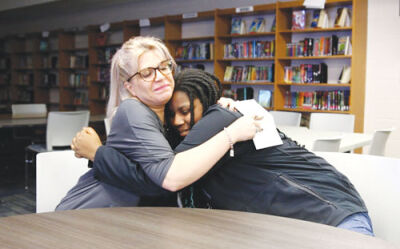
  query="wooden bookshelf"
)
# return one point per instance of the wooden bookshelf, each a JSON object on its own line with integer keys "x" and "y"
{"x": 180, "y": 30}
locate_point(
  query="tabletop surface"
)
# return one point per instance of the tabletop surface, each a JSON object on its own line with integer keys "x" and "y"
{"x": 173, "y": 228}
{"x": 306, "y": 137}
{"x": 8, "y": 121}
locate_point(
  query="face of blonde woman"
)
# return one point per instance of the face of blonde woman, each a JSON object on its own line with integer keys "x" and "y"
{"x": 153, "y": 90}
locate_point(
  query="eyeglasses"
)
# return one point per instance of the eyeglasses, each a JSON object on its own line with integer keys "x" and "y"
{"x": 149, "y": 74}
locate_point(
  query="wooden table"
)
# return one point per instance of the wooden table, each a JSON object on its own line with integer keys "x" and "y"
{"x": 307, "y": 137}
{"x": 173, "y": 228}
{"x": 6, "y": 121}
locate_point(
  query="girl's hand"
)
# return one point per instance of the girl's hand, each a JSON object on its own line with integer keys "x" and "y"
{"x": 85, "y": 143}
{"x": 244, "y": 128}
{"x": 227, "y": 103}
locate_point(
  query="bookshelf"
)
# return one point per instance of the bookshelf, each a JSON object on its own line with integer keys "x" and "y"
{"x": 80, "y": 54}
{"x": 73, "y": 70}
{"x": 5, "y": 75}
{"x": 353, "y": 91}
{"x": 243, "y": 52}
{"x": 190, "y": 39}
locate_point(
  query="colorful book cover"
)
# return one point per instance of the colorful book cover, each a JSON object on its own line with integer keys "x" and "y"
{"x": 298, "y": 19}
{"x": 236, "y": 25}
{"x": 265, "y": 98}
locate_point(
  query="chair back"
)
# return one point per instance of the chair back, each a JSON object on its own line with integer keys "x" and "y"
{"x": 56, "y": 173}
{"x": 376, "y": 179}
{"x": 286, "y": 118}
{"x": 332, "y": 122}
{"x": 327, "y": 144}
{"x": 107, "y": 125}
{"x": 29, "y": 110}
{"x": 379, "y": 140}
{"x": 63, "y": 126}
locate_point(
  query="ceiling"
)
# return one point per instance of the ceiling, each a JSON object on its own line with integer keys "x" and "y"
{"x": 15, "y": 11}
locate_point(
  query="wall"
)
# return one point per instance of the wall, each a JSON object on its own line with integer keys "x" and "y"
{"x": 383, "y": 71}
{"x": 120, "y": 12}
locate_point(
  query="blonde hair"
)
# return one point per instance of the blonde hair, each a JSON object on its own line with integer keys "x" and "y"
{"x": 125, "y": 63}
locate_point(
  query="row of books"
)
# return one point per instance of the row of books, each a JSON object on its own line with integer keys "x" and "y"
{"x": 249, "y": 73}
{"x": 5, "y": 79}
{"x": 318, "y": 100}
{"x": 103, "y": 92}
{"x": 81, "y": 98}
{"x": 249, "y": 49}
{"x": 105, "y": 55}
{"x": 50, "y": 79}
{"x": 79, "y": 61}
{"x": 306, "y": 73}
{"x": 50, "y": 61}
{"x": 103, "y": 74}
{"x": 238, "y": 26}
{"x": 25, "y": 79}
{"x": 323, "y": 46}
{"x": 195, "y": 51}
{"x": 78, "y": 80}
{"x": 5, "y": 63}
{"x": 4, "y": 95}
{"x": 25, "y": 62}
{"x": 25, "y": 96}
{"x": 265, "y": 97}
{"x": 302, "y": 19}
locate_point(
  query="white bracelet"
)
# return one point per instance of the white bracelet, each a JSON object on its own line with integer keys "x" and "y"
{"x": 231, "y": 151}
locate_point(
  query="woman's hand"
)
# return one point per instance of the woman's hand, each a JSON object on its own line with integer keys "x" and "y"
{"x": 85, "y": 143}
{"x": 227, "y": 103}
{"x": 244, "y": 128}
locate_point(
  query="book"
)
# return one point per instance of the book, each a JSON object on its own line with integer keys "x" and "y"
{"x": 315, "y": 18}
{"x": 273, "y": 27}
{"x": 345, "y": 75}
{"x": 244, "y": 93}
{"x": 228, "y": 73}
{"x": 323, "y": 20}
{"x": 342, "y": 17}
{"x": 238, "y": 26}
{"x": 298, "y": 19}
{"x": 344, "y": 46}
{"x": 257, "y": 25}
{"x": 265, "y": 98}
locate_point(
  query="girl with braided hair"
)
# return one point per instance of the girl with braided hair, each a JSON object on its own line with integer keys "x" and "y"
{"x": 285, "y": 180}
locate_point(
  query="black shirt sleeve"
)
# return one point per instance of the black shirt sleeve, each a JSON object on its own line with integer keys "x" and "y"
{"x": 112, "y": 167}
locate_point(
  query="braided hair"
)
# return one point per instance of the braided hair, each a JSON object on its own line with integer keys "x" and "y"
{"x": 197, "y": 84}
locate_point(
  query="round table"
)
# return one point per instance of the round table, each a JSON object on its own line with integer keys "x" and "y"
{"x": 140, "y": 227}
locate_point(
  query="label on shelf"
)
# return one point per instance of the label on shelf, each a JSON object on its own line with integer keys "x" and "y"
{"x": 144, "y": 22}
{"x": 104, "y": 27}
{"x": 45, "y": 34}
{"x": 189, "y": 15}
{"x": 244, "y": 9}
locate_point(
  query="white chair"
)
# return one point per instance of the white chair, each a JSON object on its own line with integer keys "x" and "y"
{"x": 327, "y": 144}
{"x": 29, "y": 110}
{"x": 107, "y": 125}
{"x": 332, "y": 122}
{"x": 379, "y": 140}
{"x": 61, "y": 129}
{"x": 56, "y": 173}
{"x": 286, "y": 118}
{"x": 377, "y": 180}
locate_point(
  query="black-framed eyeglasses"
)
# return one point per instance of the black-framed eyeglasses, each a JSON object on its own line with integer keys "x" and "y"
{"x": 149, "y": 73}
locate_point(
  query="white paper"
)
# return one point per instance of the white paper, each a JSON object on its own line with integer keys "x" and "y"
{"x": 189, "y": 15}
{"x": 144, "y": 22}
{"x": 314, "y": 4}
{"x": 104, "y": 27}
{"x": 45, "y": 34}
{"x": 269, "y": 136}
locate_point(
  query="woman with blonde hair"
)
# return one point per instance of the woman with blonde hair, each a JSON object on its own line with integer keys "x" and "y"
{"x": 141, "y": 85}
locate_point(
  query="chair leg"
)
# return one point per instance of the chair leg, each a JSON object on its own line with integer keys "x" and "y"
{"x": 28, "y": 161}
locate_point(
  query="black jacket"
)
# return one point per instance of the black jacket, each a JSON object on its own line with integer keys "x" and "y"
{"x": 285, "y": 180}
